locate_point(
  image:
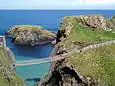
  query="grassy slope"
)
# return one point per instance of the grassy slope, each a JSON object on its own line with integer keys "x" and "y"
{"x": 87, "y": 36}
{"x": 97, "y": 63}
{"x": 5, "y": 63}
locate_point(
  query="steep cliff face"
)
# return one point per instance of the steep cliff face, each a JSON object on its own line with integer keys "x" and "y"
{"x": 26, "y": 34}
{"x": 93, "y": 67}
{"x": 111, "y": 23}
{"x": 8, "y": 76}
{"x": 63, "y": 74}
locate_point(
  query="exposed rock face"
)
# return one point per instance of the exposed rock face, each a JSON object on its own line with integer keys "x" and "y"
{"x": 93, "y": 21}
{"x": 62, "y": 74}
{"x": 25, "y": 34}
{"x": 67, "y": 24}
{"x": 111, "y": 23}
{"x": 60, "y": 34}
{"x": 90, "y": 21}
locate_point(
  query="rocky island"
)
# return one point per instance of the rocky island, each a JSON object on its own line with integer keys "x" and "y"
{"x": 28, "y": 34}
{"x": 94, "y": 65}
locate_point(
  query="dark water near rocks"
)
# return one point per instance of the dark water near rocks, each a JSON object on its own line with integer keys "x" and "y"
{"x": 49, "y": 19}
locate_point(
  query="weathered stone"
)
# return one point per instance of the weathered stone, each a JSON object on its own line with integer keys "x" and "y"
{"x": 90, "y": 21}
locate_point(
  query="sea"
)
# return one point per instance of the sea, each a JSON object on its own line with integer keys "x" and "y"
{"x": 48, "y": 19}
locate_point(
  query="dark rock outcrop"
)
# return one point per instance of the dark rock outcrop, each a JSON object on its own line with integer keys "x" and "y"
{"x": 60, "y": 34}
{"x": 62, "y": 74}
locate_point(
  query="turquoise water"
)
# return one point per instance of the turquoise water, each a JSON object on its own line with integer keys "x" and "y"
{"x": 33, "y": 73}
{"x": 48, "y": 19}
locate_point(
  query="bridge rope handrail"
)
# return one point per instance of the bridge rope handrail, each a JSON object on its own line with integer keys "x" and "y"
{"x": 59, "y": 57}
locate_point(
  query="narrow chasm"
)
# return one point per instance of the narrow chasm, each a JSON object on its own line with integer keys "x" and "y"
{"x": 64, "y": 76}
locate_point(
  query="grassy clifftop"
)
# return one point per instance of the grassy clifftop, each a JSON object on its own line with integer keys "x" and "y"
{"x": 8, "y": 76}
{"x": 81, "y": 36}
{"x": 86, "y": 29}
{"x": 97, "y": 63}
{"x": 25, "y": 27}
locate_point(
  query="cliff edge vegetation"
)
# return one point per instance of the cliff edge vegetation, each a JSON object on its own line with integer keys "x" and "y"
{"x": 98, "y": 64}
{"x": 8, "y": 76}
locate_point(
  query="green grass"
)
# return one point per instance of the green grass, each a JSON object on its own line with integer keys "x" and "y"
{"x": 29, "y": 26}
{"x": 25, "y": 27}
{"x": 88, "y": 36}
{"x": 6, "y": 63}
{"x": 80, "y": 33}
{"x": 96, "y": 63}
